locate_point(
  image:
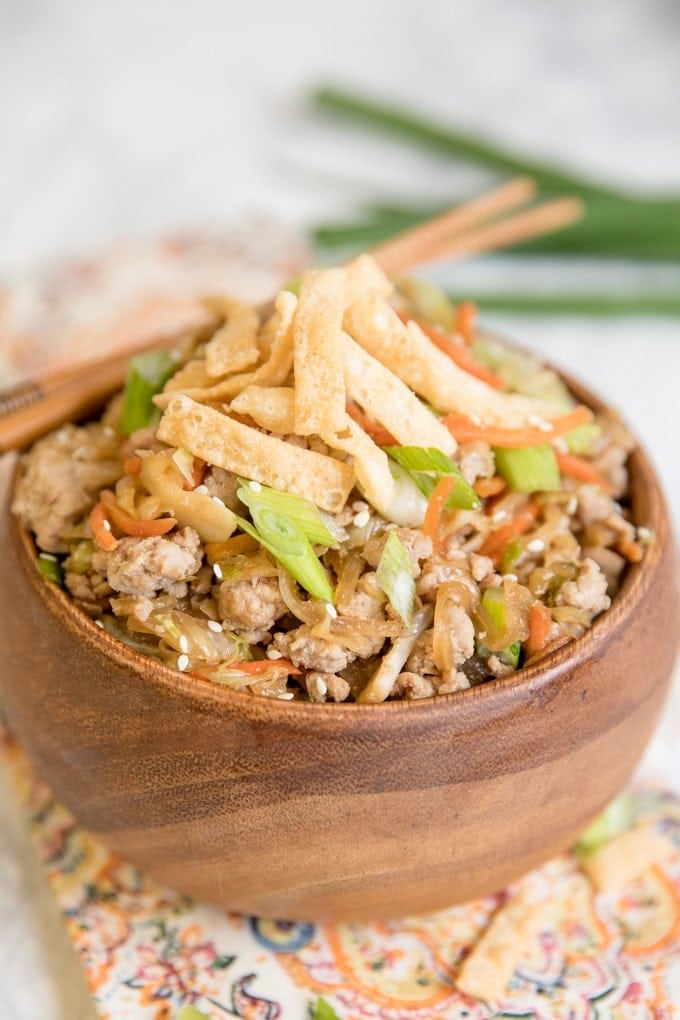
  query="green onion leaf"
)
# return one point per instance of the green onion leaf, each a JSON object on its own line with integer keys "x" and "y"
{"x": 529, "y": 468}
{"x": 302, "y": 512}
{"x": 429, "y": 302}
{"x": 395, "y": 577}
{"x": 615, "y": 819}
{"x": 426, "y": 465}
{"x": 147, "y": 375}
{"x": 510, "y": 656}
{"x": 50, "y": 567}
{"x": 288, "y": 544}
{"x": 323, "y": 1011}
{"x": 582, "y": 439}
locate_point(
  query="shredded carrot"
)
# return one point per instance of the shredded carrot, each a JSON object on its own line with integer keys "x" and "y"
{"x": 461, "y": 355}
{"x": 582, "y": 469}
{"x": 464, "y": 430}
{"x": 540, "y": 620}
{"x": 136, "y": 527}
{"x": 257, "y": 666}
{"x": 631, "y": 550}
{"x": 376, "y": 431}
{"x": 486, "y": 487}
{"x": 132, "y": 465}
{"x": 435, "y": 508}
{"x": 466, "y": 314}
{"x": 495, "y": 544}
{"x": 101, "y": 528}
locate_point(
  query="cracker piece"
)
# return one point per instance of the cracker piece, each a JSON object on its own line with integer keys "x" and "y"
{"x": 626, "y": 857}
{"x": 510, "y": 935}
{"x": 319, "y": 378}
{"x": 382, "y": 394}
{"x": 363, "y": 274}
{"x": 370, "y": 462}
{"x": 234, "y": 347}
{"x": 406, "y": 351}
{"x": 270, "y": 407}
{"x": 272, "y": 372}
{"x": 221, "y": 441}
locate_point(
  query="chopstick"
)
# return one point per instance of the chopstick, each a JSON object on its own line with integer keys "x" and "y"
{"x": 35, "y": 406}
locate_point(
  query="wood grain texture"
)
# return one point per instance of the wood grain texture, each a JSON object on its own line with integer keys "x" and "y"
{"x": 325, "y": 811}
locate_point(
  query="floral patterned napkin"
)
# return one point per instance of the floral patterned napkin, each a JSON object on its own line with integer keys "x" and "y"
{"x": 147, "y": 951}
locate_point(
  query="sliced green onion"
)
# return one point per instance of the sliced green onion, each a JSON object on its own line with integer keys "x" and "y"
{"x": 493, "y": 604}
{"x": 288, "y": 544}
{"x": 426, "y": 465}
{"x": 322, "y": 1011}
{"x": 147, "y": 375}
{"x": 302, "y": 512}
{"x": 510, "y": 656}
{"x": 50, "y": 567}
{"x": 429, "y": 302}
{"x": 191, "y": 1013}
{"x": 408, "y": 505}
{"x": 395, "y": 577}
{"x": 582, "y": 439}
{"x": 529, "y": 468}
{"x": 615, "y": 819}
{"x": 511, "y": 555}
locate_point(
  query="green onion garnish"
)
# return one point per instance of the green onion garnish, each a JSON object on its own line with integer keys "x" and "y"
{"x": 323, "y": 1011}
{"x": 582, "y": 439}
{"x": 615, "y": 819}
{"x": 302, "y": 512}
{"x": 50, "y": 567}
{"x": 147, "y": 375}
{"x": 287, "y": 542}
{"x": 395, "y": 577}
{"x": 529, "y": 468}
{"x": 426, "y": 465}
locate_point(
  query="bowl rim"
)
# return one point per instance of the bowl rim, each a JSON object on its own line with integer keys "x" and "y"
{"x": 528, "y": 679}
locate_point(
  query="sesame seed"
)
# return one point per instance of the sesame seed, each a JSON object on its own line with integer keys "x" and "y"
{"x": 361, "y": 519}
{"x": 202, "y": 490}
{"x": 215, "y": 626}
{"x": 183, "y": 643}
{"x": 644, "y": 534}
{"x": 536, "y": 545}
{"x": 183, "y": 663}
{"x": 48, "y": 556}
{"x": 286, "y": 696}
{"x": 216, "y": 499}
{"x": 332, "y": 611}
{"x": 217, "y": 570}
{"x": 475, "y": 419}
{"x": 106, "y": 525}
{"x": 98, "y": 623}
{"x": 545, "y": 426}
{"x": 255, "y": 486}
{"x": 572, "y": 505}
{"x": 481, "y": 635}
{"x": 499, "y": 516}
{"x": 358, "y": 505}
{"x": 511, "y": 577}
{"x": 274, "y": 653}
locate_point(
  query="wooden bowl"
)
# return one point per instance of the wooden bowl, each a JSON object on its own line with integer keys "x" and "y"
{"x": 325, "y": 812}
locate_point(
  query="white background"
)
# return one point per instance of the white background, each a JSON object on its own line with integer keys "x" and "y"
{"x": 144, "y": 116}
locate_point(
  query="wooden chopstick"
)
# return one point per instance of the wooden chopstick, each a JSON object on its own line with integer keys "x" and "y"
{"x": 412, "y": 247}
{"x": 37, "y": 405}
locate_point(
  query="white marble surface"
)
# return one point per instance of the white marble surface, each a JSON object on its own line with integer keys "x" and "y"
{"x": 138, "y": 117}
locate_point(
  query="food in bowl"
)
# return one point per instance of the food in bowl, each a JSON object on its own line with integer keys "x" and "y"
{"x": 351, "y": 496}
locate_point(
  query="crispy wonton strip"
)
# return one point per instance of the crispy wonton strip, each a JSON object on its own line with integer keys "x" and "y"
{"x": 234, "y": 347}
{"x": 190, "y": 376}
{"x": 273, "y": 409}
{"x": 387, "y": 399}
{"x": 407, "y": 352}
{"x": 363, "y": 274}
{"x": 510, "y": 935}
{"x": 626, "y": 857}
{"x": 272, "y": 372}
{"x": 219, "y": 440}
{"x": 319, "y": 379}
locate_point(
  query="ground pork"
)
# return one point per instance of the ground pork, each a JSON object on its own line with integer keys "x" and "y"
{"x": 411, "y": 687}
{"x": 310, "y": 652}
{"x": 252, "y": 605}
{"x": 143, "y": 566}
{"x": 587, "y": 591}
{"x": 475, "y": 460}
{"x": 453, "y": 680}
{"x": 421, "y": 659}
{"x": 326, "y": 687}
{"x": 62, "y": 477}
